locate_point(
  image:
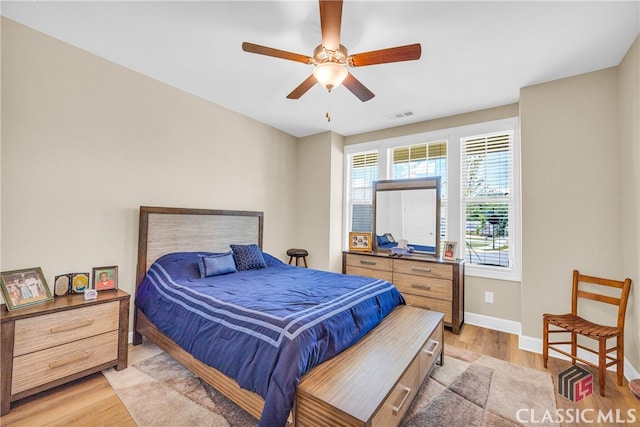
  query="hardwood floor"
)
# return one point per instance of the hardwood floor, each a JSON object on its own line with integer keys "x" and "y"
{"x": 92, "y": 402}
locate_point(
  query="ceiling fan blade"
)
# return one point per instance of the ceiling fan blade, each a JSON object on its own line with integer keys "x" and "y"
{"x": 357, "y": 88}
{"x": 330, "y": 21}
{"x": 277, "y": 53}
{"x": 409, "y": 52}
{"x": 303, "y": 87}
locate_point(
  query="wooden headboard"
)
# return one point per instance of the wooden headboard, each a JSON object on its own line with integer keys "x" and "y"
{"x": 167, "y": 230}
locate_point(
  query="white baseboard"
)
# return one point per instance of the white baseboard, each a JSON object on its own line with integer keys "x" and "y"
{"x": 535, "y": 344}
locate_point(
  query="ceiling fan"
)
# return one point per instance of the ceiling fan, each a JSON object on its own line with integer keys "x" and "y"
{"x": 330, "y": 58}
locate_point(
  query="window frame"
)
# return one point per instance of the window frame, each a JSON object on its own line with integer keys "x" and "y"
{"x": 455, "y": 218}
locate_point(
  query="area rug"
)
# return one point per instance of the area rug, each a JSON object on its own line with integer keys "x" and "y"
{"x": 469, "y": 390}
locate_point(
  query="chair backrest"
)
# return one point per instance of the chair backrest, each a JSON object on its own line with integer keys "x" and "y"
{"x": 621, "y": 302}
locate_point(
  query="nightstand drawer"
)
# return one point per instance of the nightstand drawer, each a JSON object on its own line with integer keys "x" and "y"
{"x": 37, "y": 333}
{"x": 41, "y": 367}
{"x": 425, "y": 286}
{"x": 438, "y": 271}
{"x": 370, "y": 262}
{"x": 430, "y": 304}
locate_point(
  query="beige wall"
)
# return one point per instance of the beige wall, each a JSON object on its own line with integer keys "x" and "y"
{"x": 319, "y": 199}
{"x": 85, "y": 142}
{"x": 629, "y": 124}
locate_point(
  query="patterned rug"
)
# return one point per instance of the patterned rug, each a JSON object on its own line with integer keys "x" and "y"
{"x": 469, "y": 390}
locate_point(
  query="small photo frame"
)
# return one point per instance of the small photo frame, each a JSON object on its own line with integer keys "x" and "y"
{"x": 359, "y": 241}
{"x": 449, "y": 250}
{"x": 105, "y": 278}
{"x": 21, "y": 288}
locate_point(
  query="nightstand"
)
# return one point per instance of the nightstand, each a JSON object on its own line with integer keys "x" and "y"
{"x": 50, "y": 344}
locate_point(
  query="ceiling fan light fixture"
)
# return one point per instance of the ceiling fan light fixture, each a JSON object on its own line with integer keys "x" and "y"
{"x": 330, "y": 74}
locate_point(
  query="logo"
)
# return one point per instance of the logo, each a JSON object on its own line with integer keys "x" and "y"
{"x": 575, "y": 383}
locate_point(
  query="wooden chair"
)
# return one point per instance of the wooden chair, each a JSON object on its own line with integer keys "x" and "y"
{"x": 576, "y": 325}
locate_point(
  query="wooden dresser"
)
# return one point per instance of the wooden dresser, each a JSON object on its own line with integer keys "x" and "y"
{"x": 49, "y": 344}
{"x": 373, "y": 383}
{"x": 426, "y": 282}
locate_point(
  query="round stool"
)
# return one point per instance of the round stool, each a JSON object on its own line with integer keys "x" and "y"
{"x": 297, "y": 254}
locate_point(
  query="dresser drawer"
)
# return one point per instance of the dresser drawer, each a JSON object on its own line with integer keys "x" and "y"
{"x": 395, "y": 406}
{"x": 37, "y": 333}
{"x": 431, "y": 351}
{"x": 427, "y": 269}
{"x": 430, "y": 304}
{"x": 425, "y": 286}
{"x": 41, "y": 367}
{"x": 376, "y": 274}
{"x": 370, "y": 262}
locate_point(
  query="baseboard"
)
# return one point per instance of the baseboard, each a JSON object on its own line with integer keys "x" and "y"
{"x": 494, "y": 323}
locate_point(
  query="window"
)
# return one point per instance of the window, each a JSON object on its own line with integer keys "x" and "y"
{"x": 487, "y": 198}
{"x": 362, "y": 172}
{"x": 480, "y": 183}
{"x": 422, "y": 160}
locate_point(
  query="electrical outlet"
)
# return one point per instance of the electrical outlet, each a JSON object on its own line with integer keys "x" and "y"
{"x": 488, "y": 297}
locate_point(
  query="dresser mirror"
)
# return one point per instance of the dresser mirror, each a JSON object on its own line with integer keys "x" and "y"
{"x": 409, "y": 210}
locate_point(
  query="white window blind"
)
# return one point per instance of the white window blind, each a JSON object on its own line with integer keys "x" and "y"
{"x": 362, "y": 172}
{"x": 488, "y": 198}
{"x": 422, "y": 160}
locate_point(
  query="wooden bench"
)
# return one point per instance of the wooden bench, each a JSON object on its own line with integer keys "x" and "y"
{"x": 374, "y": 382}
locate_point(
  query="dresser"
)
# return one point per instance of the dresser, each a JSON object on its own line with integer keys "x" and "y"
{"x": 424, "y": 281}
{"x": 49, "y": 344}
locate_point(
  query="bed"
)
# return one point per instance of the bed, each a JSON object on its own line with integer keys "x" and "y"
{"x": 172, "y": 242}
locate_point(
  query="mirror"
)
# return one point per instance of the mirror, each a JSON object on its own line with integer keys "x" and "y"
{"x": 407, "y": 209}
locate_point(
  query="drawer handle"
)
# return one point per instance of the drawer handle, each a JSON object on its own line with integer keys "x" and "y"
{"x": 367, "y": 262}
{"x": 425, "y": 269}
{"x": 433, "y": 349}
{"x": 71, "y": 326}
{"x": 68, "y": 360}
{"x": 396, "y": 409}
{"x": 419, "y": 286}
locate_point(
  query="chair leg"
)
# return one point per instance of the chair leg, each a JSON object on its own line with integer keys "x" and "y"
{"x": 545, "y": 342}
{"x": 290, "y": 259}
{"x": 620, "y": 357}
{"x": 297, "y": 261}
{"x": 304, "y": 258}
{"x": 602, "y": 361}
{"x": 574, "y": 347}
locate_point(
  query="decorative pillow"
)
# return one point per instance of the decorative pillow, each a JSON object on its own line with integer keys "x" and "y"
{"x": 217, "y": 264}
{"x": 248, "y": 257}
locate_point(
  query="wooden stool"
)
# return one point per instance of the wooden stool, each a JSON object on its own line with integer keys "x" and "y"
{"x": 297, "y": 254}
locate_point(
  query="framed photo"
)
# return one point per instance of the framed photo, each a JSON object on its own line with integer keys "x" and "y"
{"x": 105, "y": 278}
{"x": 449, "y": 250}
{"x": 21, "y": 288}
{"x": 359, "y": 241}
{"x": 62, "y": 285}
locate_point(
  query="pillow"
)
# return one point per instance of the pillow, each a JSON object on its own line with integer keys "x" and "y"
{"x": 215, "y": 265}
{"x": 389, "y": 237}
{"x": 248, "y": 257}
{"x": 383, "y": 240}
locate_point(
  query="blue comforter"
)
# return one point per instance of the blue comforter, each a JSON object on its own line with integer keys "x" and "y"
{"x": 265, "y": 328}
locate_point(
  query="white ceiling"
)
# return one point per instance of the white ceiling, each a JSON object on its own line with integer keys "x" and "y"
{"x": 475, "y": 55}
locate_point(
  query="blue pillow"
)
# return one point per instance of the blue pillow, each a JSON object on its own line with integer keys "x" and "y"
{"x": 383, "y": 240}
{"x": 215, "y": 265}
{"x": 248, "y": 257}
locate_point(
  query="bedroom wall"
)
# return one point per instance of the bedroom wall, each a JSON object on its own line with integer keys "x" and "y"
{"x": 85, "y": 142}
{"x": 629, "y": 112}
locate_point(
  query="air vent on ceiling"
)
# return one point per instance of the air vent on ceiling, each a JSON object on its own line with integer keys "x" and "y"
{"x": 401, "y": 115}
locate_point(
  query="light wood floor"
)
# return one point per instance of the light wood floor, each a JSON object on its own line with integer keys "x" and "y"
{"x": 92, "y": 402}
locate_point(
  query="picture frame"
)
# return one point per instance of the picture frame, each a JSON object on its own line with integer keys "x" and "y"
{"x": 359, "y": 241}
{"x": 105, "y": 278}
{"x": 22, "y": 288}
{"x": 449, "y": 251}
{"x": 79, "y": 283}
